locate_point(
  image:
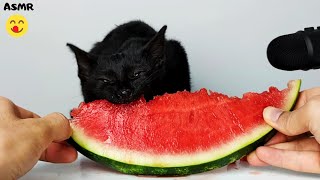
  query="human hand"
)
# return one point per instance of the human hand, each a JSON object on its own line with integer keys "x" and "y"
{"x": 296, "y": 146}
{"x": 25, "y": 138}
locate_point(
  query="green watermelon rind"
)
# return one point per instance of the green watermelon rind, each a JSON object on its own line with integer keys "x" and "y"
{"x": 188, "y": 169}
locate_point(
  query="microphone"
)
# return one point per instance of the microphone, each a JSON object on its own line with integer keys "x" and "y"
{"x": 297, "y": 51}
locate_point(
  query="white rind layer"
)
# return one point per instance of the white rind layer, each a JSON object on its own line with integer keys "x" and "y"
{"x": 166, "y": 160}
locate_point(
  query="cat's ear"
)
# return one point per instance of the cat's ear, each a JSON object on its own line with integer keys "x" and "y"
{"x": 84, "y": 61}
{"x": 155, "y": 48}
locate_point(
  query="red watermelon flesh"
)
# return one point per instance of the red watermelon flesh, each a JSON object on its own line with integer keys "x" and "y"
{"x": 175, "y": 124}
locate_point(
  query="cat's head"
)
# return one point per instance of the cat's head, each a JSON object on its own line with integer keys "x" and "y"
{"x": 121, "y": 77}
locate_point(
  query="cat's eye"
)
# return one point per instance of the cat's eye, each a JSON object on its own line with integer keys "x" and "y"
{"x": 136, "y": 75}
{"x": 106, "y": 81}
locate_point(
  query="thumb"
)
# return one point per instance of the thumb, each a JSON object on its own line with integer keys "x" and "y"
{"x": 57, "y": 126}
{"x": 289, "y": 123}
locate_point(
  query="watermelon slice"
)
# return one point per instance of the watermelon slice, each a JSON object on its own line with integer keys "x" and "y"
{"x": 176, "y": 134}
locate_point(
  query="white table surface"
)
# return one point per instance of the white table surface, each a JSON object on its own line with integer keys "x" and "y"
{"x": 84, "y": 168}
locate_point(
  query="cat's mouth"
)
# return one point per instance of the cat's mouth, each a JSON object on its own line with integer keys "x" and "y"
{"x": 123, "y": 100}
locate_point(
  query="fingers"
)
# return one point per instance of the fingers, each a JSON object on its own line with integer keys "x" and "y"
{"x": 55, "y": 127}
{"x": 254, "y": 160}
{"x": 286, "y": 122}
{"x": 59, "y": 153}
{"x": 280, "y": 141}
{"x": 12, "y": 111}
{"x": 306, "y": 95}
{"x": 6, "y": 109}
{"x": 24, "y": 114}
{"x": 304, "y": 161}
{"x": 305, "y": 144}
{"x": 296, "y": 122}
{"x": 280, "y": 138}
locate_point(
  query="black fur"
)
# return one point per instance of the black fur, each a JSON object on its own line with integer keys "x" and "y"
{"x": 131, "y": 61}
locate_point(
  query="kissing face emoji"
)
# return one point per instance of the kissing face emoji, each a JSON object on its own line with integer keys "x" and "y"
{"x": 17, "y": 25}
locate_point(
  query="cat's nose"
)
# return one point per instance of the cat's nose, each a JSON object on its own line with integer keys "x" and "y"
{"x": 125, "y": 92}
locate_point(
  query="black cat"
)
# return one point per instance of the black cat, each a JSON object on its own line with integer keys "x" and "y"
{"x": 131, "y": 61}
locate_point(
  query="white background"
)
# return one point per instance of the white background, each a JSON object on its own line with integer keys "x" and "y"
{"x": 225, "y": 40}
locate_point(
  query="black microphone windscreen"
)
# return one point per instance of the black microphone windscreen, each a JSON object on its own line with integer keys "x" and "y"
{"x": 288, "y": 52}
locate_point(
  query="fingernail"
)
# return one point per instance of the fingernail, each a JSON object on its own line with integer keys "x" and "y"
{"x": 272, "y": 114}
{"x": 291, "y": 83}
